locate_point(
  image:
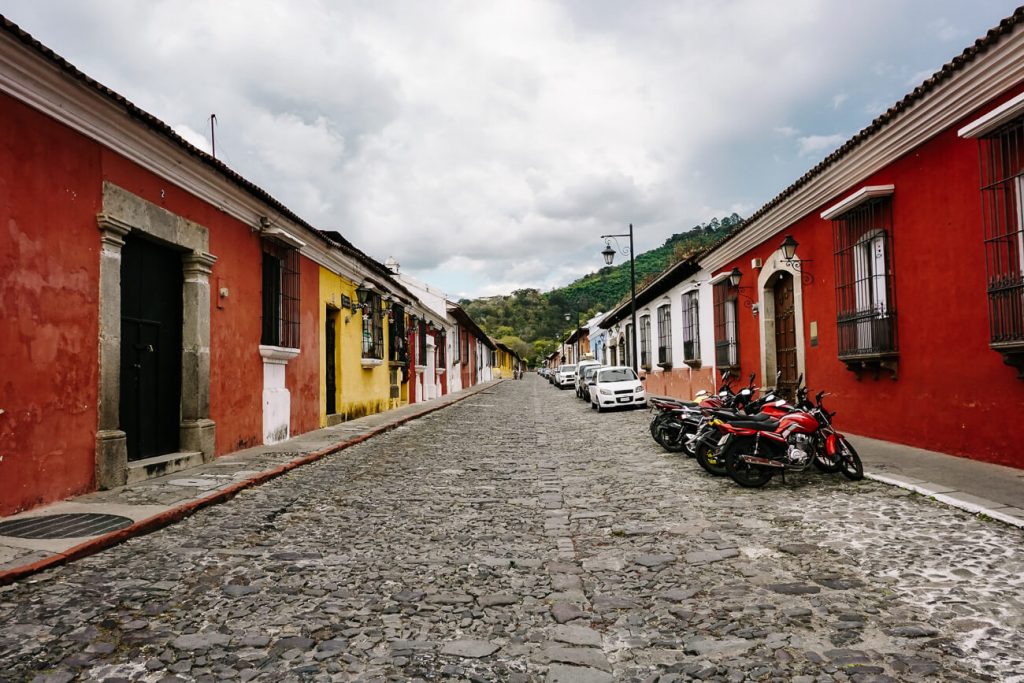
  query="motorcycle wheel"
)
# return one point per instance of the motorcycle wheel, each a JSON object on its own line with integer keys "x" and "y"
{"x": 853, "y": 468}
{"x": 829, "y": 464}
{"x": 656, "y": 423}
{"x": 745, "y": 474}
{"x": 666, "y": 436}
{"x": 711, "y": 460}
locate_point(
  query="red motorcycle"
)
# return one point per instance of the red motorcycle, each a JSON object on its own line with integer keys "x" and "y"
{"x": 754, "y": 450}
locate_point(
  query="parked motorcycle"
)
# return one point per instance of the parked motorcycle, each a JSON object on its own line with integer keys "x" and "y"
{"x": 754, "y": 449}
{"x": 677, "y": 423}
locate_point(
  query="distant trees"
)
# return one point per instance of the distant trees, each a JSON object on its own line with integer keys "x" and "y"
{"x": 532, "y": 322}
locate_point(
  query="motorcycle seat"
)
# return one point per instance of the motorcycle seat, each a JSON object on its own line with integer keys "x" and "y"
{"x": 768, "y": 425}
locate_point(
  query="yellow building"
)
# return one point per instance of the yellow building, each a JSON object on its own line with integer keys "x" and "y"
{"x": 505, "y": 362}
{"x": 362, "y": 340}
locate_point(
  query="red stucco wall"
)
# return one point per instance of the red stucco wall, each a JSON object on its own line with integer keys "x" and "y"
{"x": 49, "y": 275}
{"x": 303, "y": 374}
{"x": 679, "y": 382}
{"x": 50, "y": 194}
{"x": 953, "y": 393}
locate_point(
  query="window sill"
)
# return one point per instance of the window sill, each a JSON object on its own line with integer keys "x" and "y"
{"x": 279, "y": 355}
{"x": 439, "y": 371}
{"x": 370, "y": 363}
{"x": 1012, "y": 353}
{"x": 420, "y": 368}
{"x": 858, "y": 363}
{"x": 667, "y": 365}
{"x": 692, "y": 362}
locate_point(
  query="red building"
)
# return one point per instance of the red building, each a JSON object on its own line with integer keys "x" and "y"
{"x": 471, "y": 353}
{"x": 905, "y": 295}
{"x": 159, "y": 309}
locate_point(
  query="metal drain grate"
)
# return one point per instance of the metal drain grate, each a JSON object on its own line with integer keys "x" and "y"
{"x": 63, "y": 526}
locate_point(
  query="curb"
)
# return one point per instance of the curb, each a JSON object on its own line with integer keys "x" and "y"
{"x": 179, "y": 513}
{"x": 928, "y": 489}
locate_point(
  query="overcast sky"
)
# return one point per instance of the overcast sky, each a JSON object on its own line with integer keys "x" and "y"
{"x": 487, "y": 145}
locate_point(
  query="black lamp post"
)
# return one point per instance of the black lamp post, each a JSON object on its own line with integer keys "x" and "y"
{"x": 609, "y": 255}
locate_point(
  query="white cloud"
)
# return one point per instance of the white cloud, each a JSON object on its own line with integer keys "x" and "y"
{"x": 817, "y": 145}
{"x": 945, "y": 31}
{"x": 490, "y": 144}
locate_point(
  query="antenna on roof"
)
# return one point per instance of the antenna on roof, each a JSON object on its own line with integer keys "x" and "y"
{"x": 213, "y": 138}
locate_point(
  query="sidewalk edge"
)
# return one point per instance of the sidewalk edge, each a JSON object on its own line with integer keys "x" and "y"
{"x": 951, "y": 501}
{"x": 168, "y": 517}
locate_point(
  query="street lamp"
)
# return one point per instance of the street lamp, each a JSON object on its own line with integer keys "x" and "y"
{"x": 789, "y": 258}
{"x": 609, "y": 255}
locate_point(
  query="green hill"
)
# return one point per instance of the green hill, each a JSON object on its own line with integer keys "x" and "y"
{"x": 532, "y": 322}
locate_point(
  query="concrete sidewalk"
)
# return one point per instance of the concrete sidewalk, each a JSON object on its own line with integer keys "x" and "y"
{"x": 977, "y": 487}
{"x": 155, "y": 503}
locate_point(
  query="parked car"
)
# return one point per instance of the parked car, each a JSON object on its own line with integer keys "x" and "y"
{"x": 566, "y": 376}
{"x": 584, "y": 369}
{"x": 616, "y": 386}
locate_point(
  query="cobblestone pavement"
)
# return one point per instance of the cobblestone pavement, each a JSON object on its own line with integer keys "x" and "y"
{"x": 521, "y": 536}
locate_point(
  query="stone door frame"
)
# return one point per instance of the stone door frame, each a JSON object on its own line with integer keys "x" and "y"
{"x": 766, "y": 319}
{"x": 122, "y": 213}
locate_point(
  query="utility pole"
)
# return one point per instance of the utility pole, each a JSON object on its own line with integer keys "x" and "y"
{"x": 213, "y": 137}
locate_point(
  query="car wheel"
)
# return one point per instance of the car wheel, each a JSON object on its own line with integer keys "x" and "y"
{"x": 593, "y": 406}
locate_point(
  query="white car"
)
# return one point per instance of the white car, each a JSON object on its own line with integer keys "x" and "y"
{"x": 565, "y": 376}
{"x": 616, "y": 386}
{"x": 581, "y": 369}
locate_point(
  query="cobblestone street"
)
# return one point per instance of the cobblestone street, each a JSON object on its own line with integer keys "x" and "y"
{"x": 519, "y": 535}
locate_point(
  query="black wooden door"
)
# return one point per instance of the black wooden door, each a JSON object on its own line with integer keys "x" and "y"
{"x": 329, "y": 365}
{"x": 785, "y": 334}
{"x": 151, "y": 282}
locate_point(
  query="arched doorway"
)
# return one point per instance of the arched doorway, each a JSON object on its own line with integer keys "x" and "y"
{"x": 785, "y": 333}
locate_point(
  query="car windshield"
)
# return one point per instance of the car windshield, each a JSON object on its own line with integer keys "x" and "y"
{"x": 616, "y": 375}
{"x": 568, "y": 368}
{"x": 589, "y": 372}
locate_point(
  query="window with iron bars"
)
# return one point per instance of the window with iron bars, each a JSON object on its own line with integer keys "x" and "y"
{"x": 664, "y": 336}
{"x": 421, "y": 345}
{"x": 726, "y": 340}
{"x": 691, "y": 328}
{"x": 373, "y": 328}
{"x": 645, "y": 342}
{"x": 439, "y": 350}
{"x": 456, "y": 355}
{"x": 1002, "y": 193}
{"x": 398, "y": 345}
{"x": 280, "y": 323}
{"x": 865, "y": 302}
